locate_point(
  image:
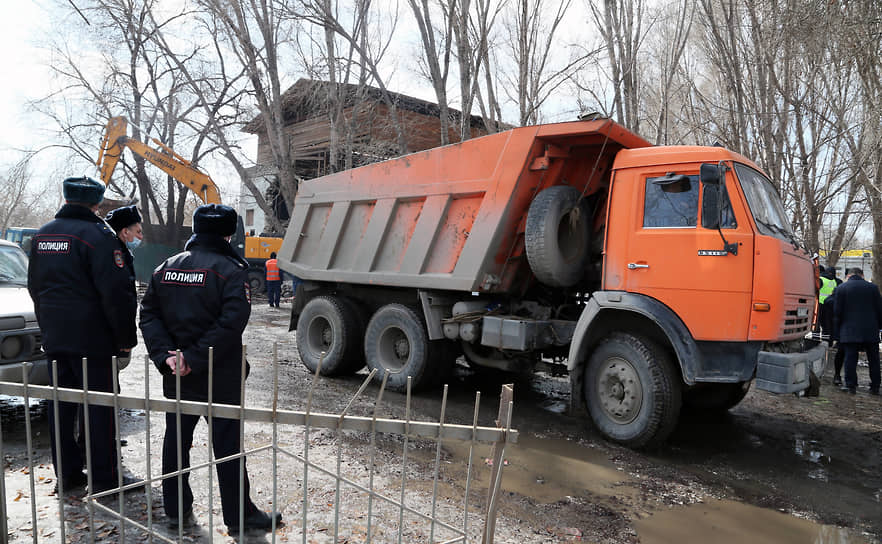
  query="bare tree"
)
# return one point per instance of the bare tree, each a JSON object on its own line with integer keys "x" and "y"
{"x": 318, "y": 12}
{"x": 258, "y": 53}
{"x": 532, "y": 27}
{"x": 14, "y": 197}
{"x": 219, "y": 89}
{"x": 437, "y": 43}
{"x": 622, "y": 26}
{"x": 671, "y": 37}
{"x": 133, "y": 80}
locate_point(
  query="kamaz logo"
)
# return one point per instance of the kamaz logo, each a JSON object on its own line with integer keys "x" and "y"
{"x": 183, "y": 277}
{"x": 53, "y": 246}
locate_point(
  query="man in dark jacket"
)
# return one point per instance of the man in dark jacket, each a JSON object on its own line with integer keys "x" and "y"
{"x": 86, "y": 307}
{"x": 126, "y": 222}
{"x": 199, "y": 299}
{"x": 857, "y": 308}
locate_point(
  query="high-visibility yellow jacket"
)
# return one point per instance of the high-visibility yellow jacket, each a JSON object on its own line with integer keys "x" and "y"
{"x": 827, "y": 287}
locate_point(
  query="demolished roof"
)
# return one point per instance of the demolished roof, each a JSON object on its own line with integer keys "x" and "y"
{"x": 307, "y": 99}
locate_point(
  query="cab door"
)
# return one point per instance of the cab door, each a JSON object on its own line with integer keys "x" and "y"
{"x": 674, "y": 253}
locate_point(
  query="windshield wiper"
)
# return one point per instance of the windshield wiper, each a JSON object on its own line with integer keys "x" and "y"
{"x": 789, "y": 236}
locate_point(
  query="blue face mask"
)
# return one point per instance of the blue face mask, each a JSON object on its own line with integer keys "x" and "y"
{"x": 133, "y": 244}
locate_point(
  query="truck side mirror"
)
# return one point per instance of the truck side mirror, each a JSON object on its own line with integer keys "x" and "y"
{"x": 710, "y": 174}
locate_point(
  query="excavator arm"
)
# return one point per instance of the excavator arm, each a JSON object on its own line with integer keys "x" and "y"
{"x": 176, "y": 166}
{"x": 253, "y": 248}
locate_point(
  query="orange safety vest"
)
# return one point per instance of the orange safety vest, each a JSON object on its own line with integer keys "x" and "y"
{"x": 272, "y": 270}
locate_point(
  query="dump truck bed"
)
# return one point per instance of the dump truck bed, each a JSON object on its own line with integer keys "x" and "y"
{"x": 448, "y": 218}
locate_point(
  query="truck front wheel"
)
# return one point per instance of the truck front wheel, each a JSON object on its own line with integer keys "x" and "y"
{"x": 396, "y": 344}
{"x": 329, "y": 325}
{"x": 632, "y": 391}
{"x": 715, "y": 397}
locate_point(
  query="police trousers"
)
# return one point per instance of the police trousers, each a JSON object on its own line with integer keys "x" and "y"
{"x": 225, "y": 435}
{"x": 102, "y": 433}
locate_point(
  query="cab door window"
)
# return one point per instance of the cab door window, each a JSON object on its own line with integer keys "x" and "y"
{"x": 671, "y": 201}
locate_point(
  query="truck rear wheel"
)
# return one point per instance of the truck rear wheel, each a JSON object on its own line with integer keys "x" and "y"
{"x": 557, "y": 236}
{"x": 396, "y": 343}
{"x": 632, "y": 391}
{"x": 717, "y": 397}
{"x": 329, "y": 325}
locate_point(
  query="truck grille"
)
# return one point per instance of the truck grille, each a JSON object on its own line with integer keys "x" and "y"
{"x": 796, "y": 318}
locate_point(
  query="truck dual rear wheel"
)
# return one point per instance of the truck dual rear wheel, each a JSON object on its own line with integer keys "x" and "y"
{"x": 632, "y": 391}
{"x": 557, "y": 236}
{"x": 330, "y": 325}
{"x": 396, "y": 344}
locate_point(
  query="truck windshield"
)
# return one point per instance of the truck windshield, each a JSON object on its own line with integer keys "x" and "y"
{"x": 768, "y": 212}
{"x": 13, "y": 266}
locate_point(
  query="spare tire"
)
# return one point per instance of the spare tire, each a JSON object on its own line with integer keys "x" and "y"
{"x": 558, "y": 236}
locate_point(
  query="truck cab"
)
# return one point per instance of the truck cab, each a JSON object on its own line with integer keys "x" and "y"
{"x": 702, "y": 278}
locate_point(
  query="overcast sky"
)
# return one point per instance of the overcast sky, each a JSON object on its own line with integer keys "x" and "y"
{"x": 22, "y": 75}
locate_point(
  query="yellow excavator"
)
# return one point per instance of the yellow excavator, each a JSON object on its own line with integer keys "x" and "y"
{"x": 255, "y": 249}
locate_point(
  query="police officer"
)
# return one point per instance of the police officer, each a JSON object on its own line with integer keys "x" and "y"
{"x": 273, "y": 280}
{"x": 197, "y": 299}
{"x": 126, "y": 222}
{"x": 86, "y": 308}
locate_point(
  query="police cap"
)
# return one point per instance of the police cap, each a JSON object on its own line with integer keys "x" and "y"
{"x": 215, "y": 219}
{"x": 121, "y": 218}
{"x": 84, "y": 190}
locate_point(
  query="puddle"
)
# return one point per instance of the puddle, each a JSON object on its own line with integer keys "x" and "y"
{"x": 734, "y": 523}
{"x": 549, "y": 470}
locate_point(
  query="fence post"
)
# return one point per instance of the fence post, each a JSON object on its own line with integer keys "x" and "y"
{"x": 506, "y": 398}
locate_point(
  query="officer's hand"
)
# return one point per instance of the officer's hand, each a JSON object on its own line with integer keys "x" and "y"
{"x": 172, "y": 362}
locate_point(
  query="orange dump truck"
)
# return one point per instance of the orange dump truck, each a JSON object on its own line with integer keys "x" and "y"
{"x": 659, "y": 278}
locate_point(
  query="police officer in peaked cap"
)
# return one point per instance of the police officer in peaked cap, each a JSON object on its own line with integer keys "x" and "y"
{"x": 198, "y": 299}
{"x": 86, "y": 307}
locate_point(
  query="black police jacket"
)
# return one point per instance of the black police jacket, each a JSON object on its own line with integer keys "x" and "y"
{"x": 857, "y": 311}
{"x": 199, "y": 299}
{"x": 83, "y": 293}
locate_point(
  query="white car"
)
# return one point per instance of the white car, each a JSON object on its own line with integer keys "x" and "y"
{"x": 19, "y": 332}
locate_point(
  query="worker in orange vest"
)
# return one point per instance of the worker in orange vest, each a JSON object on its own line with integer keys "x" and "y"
{"x": 273, "y": 280}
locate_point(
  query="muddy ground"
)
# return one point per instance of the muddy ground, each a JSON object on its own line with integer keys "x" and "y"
{"x": 776, "y": 469}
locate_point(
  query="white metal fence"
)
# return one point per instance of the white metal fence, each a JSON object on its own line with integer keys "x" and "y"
{"x": 362, "y": 510}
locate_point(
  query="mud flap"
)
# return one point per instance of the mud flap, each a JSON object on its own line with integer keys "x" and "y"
{"x": 789, "y": 372}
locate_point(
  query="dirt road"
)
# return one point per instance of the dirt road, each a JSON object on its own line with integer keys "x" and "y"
{"x": 775, "y": 469}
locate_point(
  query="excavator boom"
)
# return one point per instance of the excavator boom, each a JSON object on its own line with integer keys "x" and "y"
{"x": 255, "y": 249}
{"x": 116, "y": 138}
